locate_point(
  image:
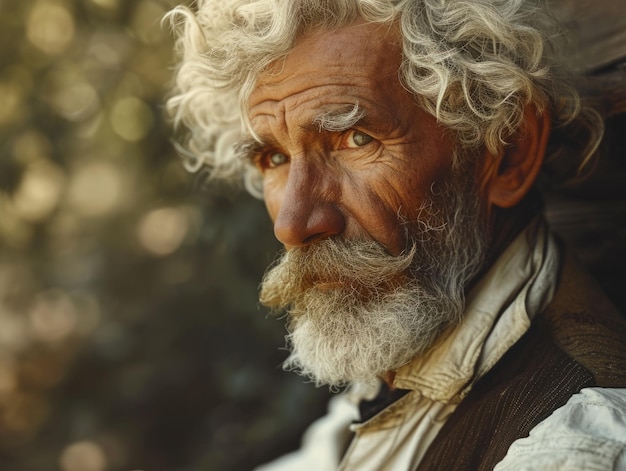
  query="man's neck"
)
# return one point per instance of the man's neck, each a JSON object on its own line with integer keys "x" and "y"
{"x": 509, "y": 222}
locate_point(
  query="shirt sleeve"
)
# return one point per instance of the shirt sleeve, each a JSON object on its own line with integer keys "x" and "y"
{"x": 323, "y": 442}
{"x": 587, "y": 434}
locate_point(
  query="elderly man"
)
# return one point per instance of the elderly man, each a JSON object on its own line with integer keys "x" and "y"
{"x": 396, "y": 144}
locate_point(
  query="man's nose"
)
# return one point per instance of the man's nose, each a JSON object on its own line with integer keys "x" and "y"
{"x": 307, "y": 211}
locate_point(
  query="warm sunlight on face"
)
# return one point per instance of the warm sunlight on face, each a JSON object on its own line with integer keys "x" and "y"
{"x": 345, "y": 148}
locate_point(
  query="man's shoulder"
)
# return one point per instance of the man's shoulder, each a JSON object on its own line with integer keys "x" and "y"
{"x": 588, "y": 432}
{"x": 586, "y": 326}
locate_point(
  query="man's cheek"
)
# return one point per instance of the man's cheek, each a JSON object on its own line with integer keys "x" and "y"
{"x": 272, "y": 198}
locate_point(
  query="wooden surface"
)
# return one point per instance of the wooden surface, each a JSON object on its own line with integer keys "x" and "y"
{"x": 591, "y": 216}
{"x": 596, "y": 31}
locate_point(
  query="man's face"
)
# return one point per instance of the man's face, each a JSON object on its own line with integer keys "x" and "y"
{"x": 380, "y": 233}
{"x": 351, "y": 181}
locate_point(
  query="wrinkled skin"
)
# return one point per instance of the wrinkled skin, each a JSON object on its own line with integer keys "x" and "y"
{"x": 353, "y": 182}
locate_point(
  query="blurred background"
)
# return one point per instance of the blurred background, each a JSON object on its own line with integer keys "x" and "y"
{"x": 130, "y": 333}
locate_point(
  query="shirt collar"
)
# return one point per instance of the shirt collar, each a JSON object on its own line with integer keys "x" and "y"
{"x": 498, "y": 312}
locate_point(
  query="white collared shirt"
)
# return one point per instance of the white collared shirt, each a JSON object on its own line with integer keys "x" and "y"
{"x": 499, "y": 310}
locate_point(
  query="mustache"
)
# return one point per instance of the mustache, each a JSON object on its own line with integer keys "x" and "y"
{"x": 338, "y": 264}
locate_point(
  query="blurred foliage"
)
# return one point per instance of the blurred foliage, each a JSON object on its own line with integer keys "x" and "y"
{"x": 130, "y": 335}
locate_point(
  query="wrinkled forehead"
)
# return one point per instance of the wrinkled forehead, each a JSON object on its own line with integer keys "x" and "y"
{"x": 363, "y": 44}
{"x": 346, "y": 65}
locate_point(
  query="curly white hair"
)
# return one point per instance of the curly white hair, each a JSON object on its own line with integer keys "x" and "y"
{"x": 473, "y": 64}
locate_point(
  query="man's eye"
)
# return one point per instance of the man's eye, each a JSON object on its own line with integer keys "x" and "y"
{"x": 268, "y": 160}
{"x": 277, "y": 158}
{"x": 358, "y": 139}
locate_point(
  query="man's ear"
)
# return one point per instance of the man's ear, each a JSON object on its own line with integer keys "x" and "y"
{"x": 509, "y": 176}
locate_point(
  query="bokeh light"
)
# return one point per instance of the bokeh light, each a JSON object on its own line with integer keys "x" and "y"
{"x": 40, "y": 190}
{"x": 130, "y": 336}
{"x": 83, "y": 456}
{"x": 96, "y": 188}
{"x": 50, "y": 27}
{"x": 163, "y": 230}
{"x": 13, "y": 91}
{"x": 131, "y": 118}
{"x": 53, "y": 316}
{"x": 109, "y": 4}
{"x": 73, "y": 98}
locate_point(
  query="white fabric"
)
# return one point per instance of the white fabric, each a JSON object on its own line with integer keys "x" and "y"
{"x": 323, "y": 442}
{"x": 520, "y": 284}
{"x": 586, "y": 434}
{"x": 499, "y": 309}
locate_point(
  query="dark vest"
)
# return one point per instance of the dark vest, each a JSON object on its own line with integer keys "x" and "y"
{"x": 579, "y": 341}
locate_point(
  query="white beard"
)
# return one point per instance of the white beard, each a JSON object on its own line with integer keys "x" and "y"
{"x": 356, "y": 313}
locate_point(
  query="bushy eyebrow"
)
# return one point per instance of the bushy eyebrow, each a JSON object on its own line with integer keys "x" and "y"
{"x": 247, "y": 149}
{"x": 338, "y": 120}
{"x": 335, "y": 120}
